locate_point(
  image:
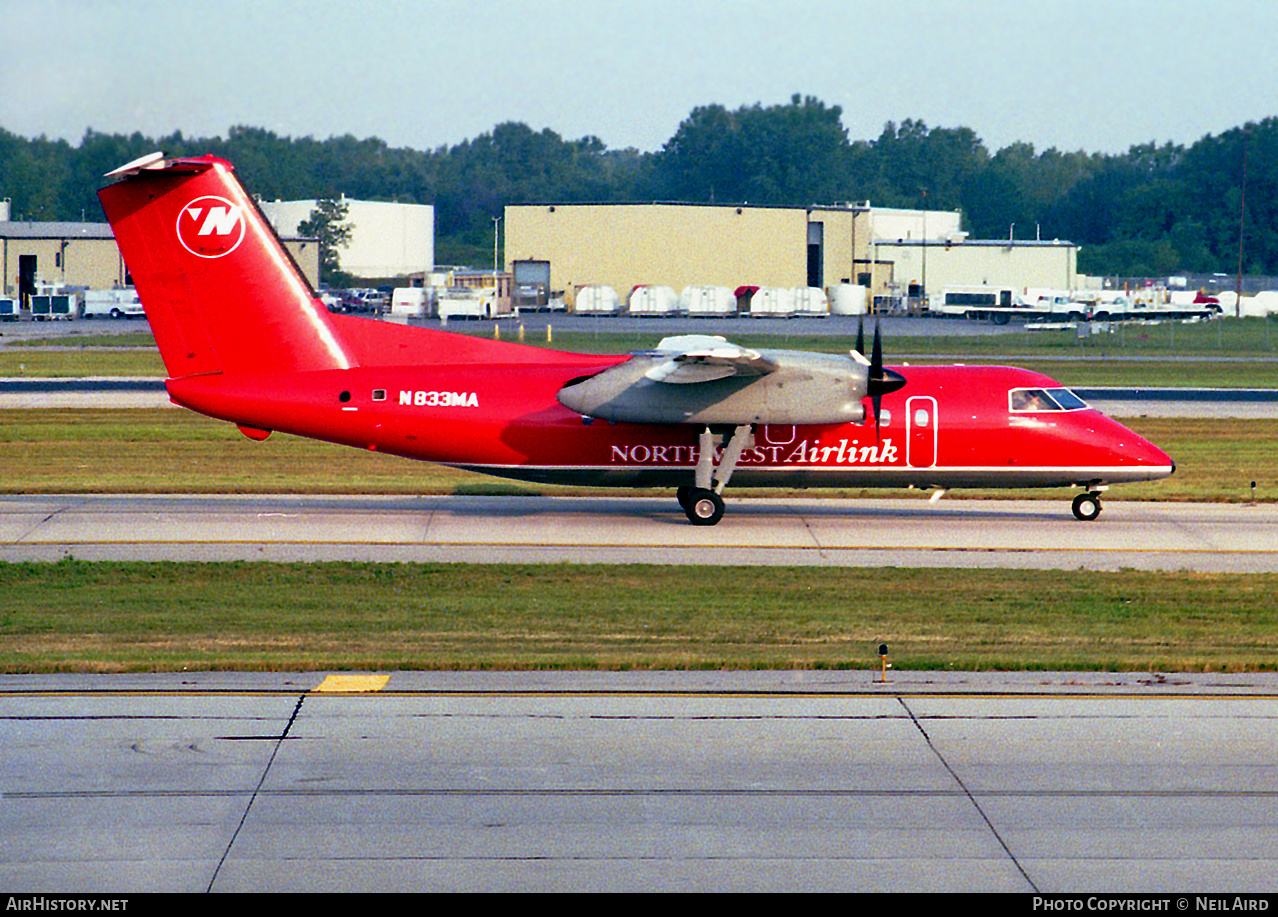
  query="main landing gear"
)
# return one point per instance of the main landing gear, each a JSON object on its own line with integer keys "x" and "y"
{"x": 704, "y": 507}
{"x": 1086, "y": 506}
{"x": 703, "y": 503}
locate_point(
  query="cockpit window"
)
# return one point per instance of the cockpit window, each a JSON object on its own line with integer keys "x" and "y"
{"x": 1067, "y": 399}
{"x": 1041, "y": 399}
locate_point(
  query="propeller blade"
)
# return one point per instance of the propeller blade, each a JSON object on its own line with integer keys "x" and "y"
{"x": 872, "y": 381}
{"x": 880, "y": 381}
{"x": 860, "y": 336}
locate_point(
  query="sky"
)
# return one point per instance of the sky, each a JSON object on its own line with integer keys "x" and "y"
{"x": 1092, "y": 75}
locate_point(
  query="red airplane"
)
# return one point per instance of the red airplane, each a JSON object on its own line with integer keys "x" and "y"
{"x": 245, "y": 339}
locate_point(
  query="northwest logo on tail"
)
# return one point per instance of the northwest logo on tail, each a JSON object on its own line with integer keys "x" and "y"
{"x": 210, "y": 227}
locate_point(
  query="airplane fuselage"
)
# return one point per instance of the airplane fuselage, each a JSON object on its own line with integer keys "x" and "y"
{"x": 953, "y": 427}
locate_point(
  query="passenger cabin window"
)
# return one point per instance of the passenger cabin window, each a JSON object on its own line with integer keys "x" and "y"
{"x": 1022, "y": 400}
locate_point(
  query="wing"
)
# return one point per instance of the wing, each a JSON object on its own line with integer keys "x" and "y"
{"x": 705, "y": 379}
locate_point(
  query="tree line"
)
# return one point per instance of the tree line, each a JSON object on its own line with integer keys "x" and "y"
{"x": 1153, "y": 210}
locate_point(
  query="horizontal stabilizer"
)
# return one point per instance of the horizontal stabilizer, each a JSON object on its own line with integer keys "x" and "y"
{"x": 157, "y": 162}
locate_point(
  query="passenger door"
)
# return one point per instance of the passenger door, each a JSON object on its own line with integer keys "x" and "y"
{"x": 920, "y": 431}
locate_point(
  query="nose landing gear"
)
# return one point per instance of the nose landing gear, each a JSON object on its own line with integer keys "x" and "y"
{"x": 1086, "y": 506}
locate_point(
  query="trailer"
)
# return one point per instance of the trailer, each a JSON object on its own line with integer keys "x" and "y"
{"x": 653, "y": 301}
{"x": 810, "y": 302}
{"x": 52, "y": 306}
{"x": 772, "y": 302}
{"x": 1001, "y": 305}
{"x": 10, "y": 309}
{"x": 596, "y": 299}
{"x": 1157, "y": 305}
{"x": 703, "y": 301}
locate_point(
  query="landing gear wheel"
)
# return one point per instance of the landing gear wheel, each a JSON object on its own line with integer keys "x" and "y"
{"x": 704, "y": 507}
{"x": 1086, "y": 507}
{"x": 683, "y": 494}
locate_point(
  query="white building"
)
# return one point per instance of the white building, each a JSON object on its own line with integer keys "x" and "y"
{"x": 931, "y": 266}
{"x": 387, "y": 240}
{"x": 892, "y": 224}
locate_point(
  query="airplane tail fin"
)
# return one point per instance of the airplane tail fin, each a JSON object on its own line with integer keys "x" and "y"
{"x": 220, "y": 291}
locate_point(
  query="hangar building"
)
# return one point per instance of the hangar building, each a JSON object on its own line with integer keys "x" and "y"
{"x": 893, "y": 253}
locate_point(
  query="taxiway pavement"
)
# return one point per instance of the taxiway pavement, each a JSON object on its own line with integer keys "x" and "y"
{"x": 1238, "y": 537}
{"x": 662, "y": 781}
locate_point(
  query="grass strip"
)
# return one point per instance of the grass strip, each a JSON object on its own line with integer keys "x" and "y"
{"x": 77, "y": 616}
{"x": 34, "y": 363}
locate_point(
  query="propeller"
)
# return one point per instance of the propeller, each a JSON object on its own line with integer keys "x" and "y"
{"x": 879, "y": 381}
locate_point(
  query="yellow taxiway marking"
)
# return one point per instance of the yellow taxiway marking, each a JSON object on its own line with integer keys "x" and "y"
{"x": 352, "y": 684}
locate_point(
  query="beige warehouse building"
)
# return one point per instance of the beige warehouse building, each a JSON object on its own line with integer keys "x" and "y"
{"x": 893, "y": 253}
{"x": 71, "y": 254}
{"x": 679, "y": 245}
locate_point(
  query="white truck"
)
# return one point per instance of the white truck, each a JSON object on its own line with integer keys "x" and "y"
{"x": 122, "y": 303}
{"x": 411, "y": 302}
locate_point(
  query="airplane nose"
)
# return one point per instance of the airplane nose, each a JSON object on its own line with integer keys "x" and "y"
{"x": 1156, "y": 456}
{"x": 1132, "y": 451}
